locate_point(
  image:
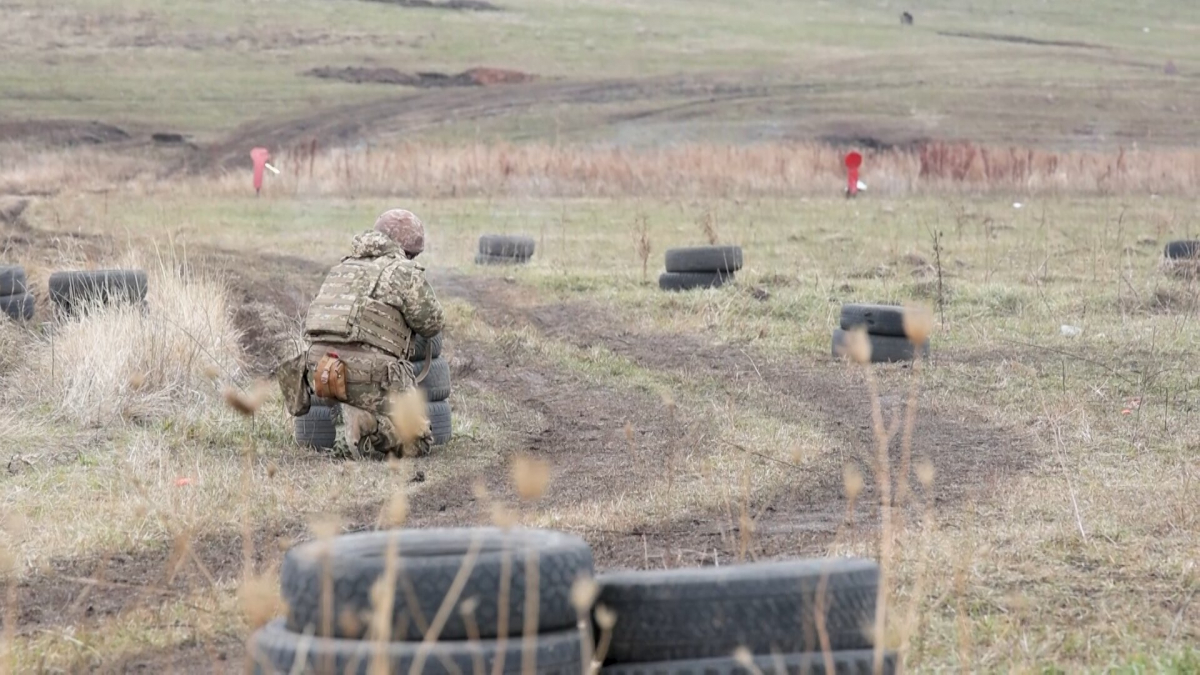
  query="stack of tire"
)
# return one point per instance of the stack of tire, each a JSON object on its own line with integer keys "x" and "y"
{"x": 315, "y": 428}
{"x": 16, "y": 301}
{"x": 490, "y": 621}
{"x": 885, "y": 330}
{"x": 75, "y": 293}
{"x": 504, "y": 249}
{"x": 700, "y": 267}
{"x": 791, "y": 617}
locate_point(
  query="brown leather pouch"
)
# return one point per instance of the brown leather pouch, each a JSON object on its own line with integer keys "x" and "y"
{"x": 329, "y": 379}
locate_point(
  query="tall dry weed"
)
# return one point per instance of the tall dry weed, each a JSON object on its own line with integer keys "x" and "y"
{"x": 118, "y": 363}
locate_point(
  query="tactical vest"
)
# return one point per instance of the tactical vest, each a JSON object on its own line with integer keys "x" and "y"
{"x": 346, "y": 310}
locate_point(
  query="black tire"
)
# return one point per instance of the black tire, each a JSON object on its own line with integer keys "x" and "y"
{"x": 704, "y": 259}
{"x": 857, "y": 662}
{"x": 506, "y": 246}
{"x": 315, "y": 428}
{"x": 884, "y": 348}
{"x": 429, "y": 561}
{"x": 1183, "y": 250}
{"x": 686, "y": 281}
{"x": 76, "y": 291}
{"x": 669, "y": 615}
{"x": 12, "y": 280}
{"x": 436, "y": 384}
{"x": 441, "y": 421}
{"x": 420, "y": 343}
{"x": 482, "y": 259}
{"x": 275, "y": 650}
{"x": 878, "y": 319}
{"x": 18, "y": 307}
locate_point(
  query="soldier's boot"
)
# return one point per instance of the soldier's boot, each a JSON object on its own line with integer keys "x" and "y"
{"x": 391, "y": 440}
{"x": 355, "y": 430}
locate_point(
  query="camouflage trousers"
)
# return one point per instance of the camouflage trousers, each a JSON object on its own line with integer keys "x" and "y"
{"x": 363, "y": 428}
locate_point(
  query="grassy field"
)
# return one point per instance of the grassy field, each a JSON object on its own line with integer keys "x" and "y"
{"x": 1048, "y": 518}
{"x": 810, "y": 68}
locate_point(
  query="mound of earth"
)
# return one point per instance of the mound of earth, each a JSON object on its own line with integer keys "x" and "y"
{"x": 474, "y": 77}
{"x": 61, "y": 132}
{"x": 472, "y": 5}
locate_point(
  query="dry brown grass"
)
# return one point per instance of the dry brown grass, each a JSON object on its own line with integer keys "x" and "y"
{"x": 127, "y": 363}
{"x": 686, "y": 170}
{"x": 716, "y": 170}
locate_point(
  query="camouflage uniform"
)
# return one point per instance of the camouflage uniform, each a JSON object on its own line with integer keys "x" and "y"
{"x": 366, "y": 312}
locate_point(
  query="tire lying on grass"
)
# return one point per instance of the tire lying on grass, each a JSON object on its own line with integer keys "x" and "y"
{"x": 857, "y": 662}
{"x": 667, "y": 615}
{"x": 884, "y": 348}
{"x": 878, "y": 319}
{"x": 506, "y": 246}
{"x": 314, "y": 428}
{"x": 17, "y": 307}
{"x": 1183, "y": 250}
{"x": 428, "y": 562}
{"x": 76, "y": 291}
{"x": 686, "y": 281}
{"x": 441, "y": 422}
{"x": 275, "y": 649}
{"x": 436, "y": 384}
{"x": 704, "y": 259}
{"x": 12, "y": 280}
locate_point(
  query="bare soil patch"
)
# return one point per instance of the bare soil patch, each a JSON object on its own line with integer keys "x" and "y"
{"x": 61, "y": 133}
{"x": 474, "y": 77}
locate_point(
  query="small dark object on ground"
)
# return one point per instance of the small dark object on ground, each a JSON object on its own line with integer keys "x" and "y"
{"x": 877, "y": 319}
{"x": 884, "y": 348}
{"x": 1171, "y": 68}
{"x": 906, "y": 19}
{"x": 1187, "y": 249}
{"x": 167, "y": 138}
{"x": 686, "y": 281}
{"x": 704, "y": 259}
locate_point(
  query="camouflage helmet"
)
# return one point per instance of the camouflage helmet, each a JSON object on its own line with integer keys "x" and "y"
{"x": 404, "y": 228}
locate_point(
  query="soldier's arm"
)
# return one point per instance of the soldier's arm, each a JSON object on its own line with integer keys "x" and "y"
{"x": 411, "y": 293}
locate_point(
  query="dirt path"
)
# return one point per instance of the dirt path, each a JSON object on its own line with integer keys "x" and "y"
{"x": 969, "y": 455}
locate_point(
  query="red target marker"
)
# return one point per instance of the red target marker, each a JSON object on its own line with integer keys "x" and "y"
{"x": 853, "y": 162}
{"x": 260, "y": 156}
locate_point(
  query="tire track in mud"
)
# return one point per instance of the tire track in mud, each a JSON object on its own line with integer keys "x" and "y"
{"x": 969, "y": 454}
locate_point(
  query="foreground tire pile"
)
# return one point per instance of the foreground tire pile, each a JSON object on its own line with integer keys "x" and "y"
{"x": 15, "y": 299}
{"x": 315, "y": 428}
{"x": 343, "y": 577}
{"x": 468, "y": 592}
{"x": 504, "y": 249}
{"x": 885, "y": 330}
{"x": 700, "y": 267}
